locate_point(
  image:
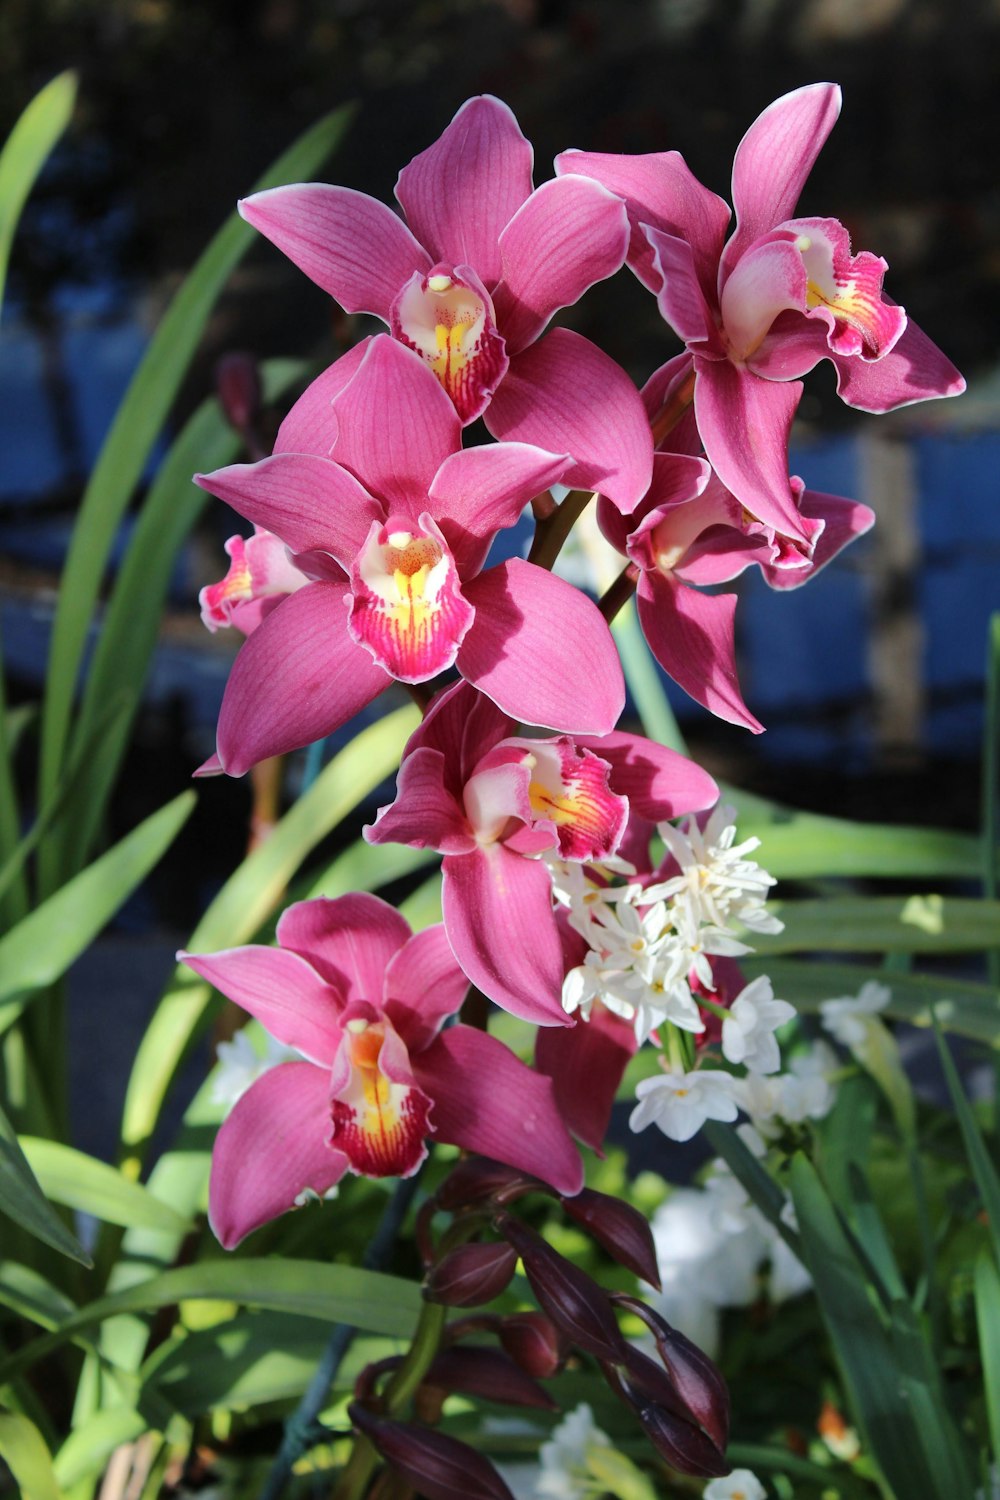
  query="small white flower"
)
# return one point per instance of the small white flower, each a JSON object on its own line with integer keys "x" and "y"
{"x": 241, "y": 1064}
{"x": 741, "y": 1484}
{"x": 680, "y": 1103}
{"x": 563, "y": 1458}
{"x": 748, "y": 1030}
{"x": 846, "y": 1019}
{"x": 717, "y": 883}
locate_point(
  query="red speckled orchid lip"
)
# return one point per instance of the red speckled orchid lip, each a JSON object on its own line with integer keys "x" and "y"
{"x": 448, "y": 318}
{"x": 379, "y": 1117}
{"x": 569, "y": 793}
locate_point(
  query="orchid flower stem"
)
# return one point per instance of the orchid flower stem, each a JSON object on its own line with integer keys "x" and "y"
{"x": 300, "y": 1427}
{"x": 551, "y": 533}
{"x": 619, "y": 593}
{"x": 671, "y": 412}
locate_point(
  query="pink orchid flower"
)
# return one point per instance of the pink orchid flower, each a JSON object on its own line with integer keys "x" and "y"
{"x": 761, "y": 309}
{"x": 689, "y": 531}
{"x": 260, "y": 575}
{"x": 493, "y": 802}
{"x": 473, "y": 281}
{"x": 395, "y": 528}
{"x": 365, "y": 1001}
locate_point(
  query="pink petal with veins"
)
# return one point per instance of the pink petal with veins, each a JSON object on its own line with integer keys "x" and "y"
{"x": 424, "y": 985}
{"x": 843, "y": 520}
{"x": 586, "y": 1066}
{"x": 659, "y": 783}
{"x": 425, "y": 814}
{"x": 379, "y": 1115}
{"x": 569, "y": 792}
{"x": 351, "y": 245}
{"x": 845, "y": 291}
{"x": 481, "y": 491}
{"x": 461, "y": 725}
{"x": 914, "y": 370}
{"x": 770, "y": 279}
{"x": 349, "y": 940}
{"x": 310, "y": 426}
{"x": 282, "y": 990}
{"x": 691, "y": 635}
{"x": 681, "y": 298}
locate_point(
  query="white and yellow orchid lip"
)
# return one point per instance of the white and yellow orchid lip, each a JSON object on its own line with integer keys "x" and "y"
{"x": 448, "y": 319}
{"x": 378, "y": 1121}
{"x": 849, "y": 287}
{"x": 407, "y": 606}
{"x": 570, "y": 789}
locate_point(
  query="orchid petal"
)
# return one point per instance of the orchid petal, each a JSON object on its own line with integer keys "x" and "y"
{"x": 424, "y": 984}
{"x": 914, "y": 370}
{"x": 270, "y": 1150}
{"x": 462, "y": 725}
{"x": 659, "y": 783}
{"x": 486, "y": 1100}
{"x": 310, "y": 426}
{"x": 662, "y": 390}
{"x": 459, "y": 193}
{"x": 516, "y": 650}
{"x": 569, "y": 234}
{"x": 659, "y": 189}
{"x": 681, "y": 297}
{"x": 769, "y": 279}
{"x": 566, "y": 395}
{"x": 569, "y": 792}
{"x": 425, "y": 814}
{"x": 295, "y": 680}
{"x": 845, "y": 290}
{"x": 281, "y": 990}
{"x": 773, "y": 161}
{"x": 395, "y": 426}
{"x": 498, "y": 916}
{"x": 307, "y": 501}
{"x": 692, "y": 637}
{"x": 678, "y": 481}
{"x": 745, "y": 423}
{"x": 351, "y": 245}
{"x": 586, "y": 1066}
{"x": 843, "y": 520}
{"x": 480, "y": 491}
{"x": 349, "y": 940}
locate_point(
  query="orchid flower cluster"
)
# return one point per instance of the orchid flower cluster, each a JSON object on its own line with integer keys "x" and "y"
{"x": 371, "y": 563}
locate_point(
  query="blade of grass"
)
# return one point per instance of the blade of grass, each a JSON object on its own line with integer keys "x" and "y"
{"x": 991, "y": 786}
{"x": 988, "y": 1320}
{"x": 25, "y": 153}
{"x": 14, "y": 902}
{"x": 24, "y": 1451}
{"x": 22, "y": 1199}
{"x": 882, "y": 924}
{"x": 983, "y": 1170}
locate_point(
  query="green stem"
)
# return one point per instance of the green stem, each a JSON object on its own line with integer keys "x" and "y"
{"x": 643, "y": 678}
{"x": 991, "y": 778}
{"x": 551, "y": 533}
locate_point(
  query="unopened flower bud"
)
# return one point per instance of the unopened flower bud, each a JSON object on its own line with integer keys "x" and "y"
{"x": 237, "y": 380}
{"x": 533, "y": 1340}
{"x": 470, "y": 1275}
{"x": 622, "y": 1230}
{"x": 573, "y": 1301}
{"x": 478, "y": 1180}
{"x": 489, "y": 1373}
{"x": 437, "y": 1466}
{"x": 685, "y": 1447}
{"x": 696, "y": 1379}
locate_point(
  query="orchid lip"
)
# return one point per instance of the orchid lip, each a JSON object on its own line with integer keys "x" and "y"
{"x": 450, "y": 323}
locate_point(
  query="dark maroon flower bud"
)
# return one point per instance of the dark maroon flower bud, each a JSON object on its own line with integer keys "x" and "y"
{"x": 477, "y": 1371}
{"x": 696, "y": 1379}
{"x": 622, "y": 1230}
{"x": 237, "y": 380}
{"x": 534, "y": 1341}
{"x": 573, "y": 1301}
{"x": 685, "y": 1447}
{"x": 470, "y": 1275}
{"x": 438, "y": 1467}
{"x": 477, "y": 1180}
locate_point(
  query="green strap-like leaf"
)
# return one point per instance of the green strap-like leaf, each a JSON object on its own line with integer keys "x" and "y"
{"x": 882, "y": 924}
{"x": 23, "y": 1449}
{"x": 22, "y": 1199}
{"x": 136, "y": 426}
{"x": 87, "y": 1449}
{"x": 79, "y": 1181}
{"x": 26, "y": 151}
{"x": 983, "y": 1169}
{"x": 988, "y": 1320}
{"x": 42, "y": 946}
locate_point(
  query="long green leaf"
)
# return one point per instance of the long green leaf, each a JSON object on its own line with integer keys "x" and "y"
{"x": 14, "y": 902}
{"x": 245, "y": 902}
{"x": 79, "y": 1181}
{"x": 988, "y": 1320}
{"x": 23, "y": 1449}
{"x": 136, "y": 426}
{"x": 368, "y": 1300}
{"x": 25, "y": 153}
{"x": 87, "y": 1449}
{"x": 886, "y": 924}
{"x": 22, "y": 1199}
{"x": 983, "y": 1169}
{"x": 43, "y": 945}
{"x": 991, "y": 784}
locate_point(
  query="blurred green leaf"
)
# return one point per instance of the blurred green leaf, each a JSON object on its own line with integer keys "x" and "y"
{"x": 946, "y": 1460}
{"x": 79, "y": 1181}
{"x": 25, "y": 153}
{"x": 23, "y": 1449}
{"x": 368, "y": 867}
{"x": 983, "y": 1169}
{"x": 22, "y": 1199}
{"x": 45, "y": 942}
{"x": 88, "y": 1447}
{"x": 136, "y": 426}
{"x": 988, "y": 1321}
{"x": 422, "y": 908}
{"x": 882, "y": 924}
{"x": 27, "y": 1293}
{"x": 991, "y": 784}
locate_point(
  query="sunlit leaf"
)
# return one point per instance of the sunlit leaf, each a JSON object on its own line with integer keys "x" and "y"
{"x": 23, "y": 1449}
{"x": 22, "y": 1199}
{"x": 79, "y": 1181}
{"x": 25, "y": 153}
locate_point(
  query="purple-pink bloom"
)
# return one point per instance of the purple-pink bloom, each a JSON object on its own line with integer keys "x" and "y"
{"x": 394, "y": 529}
{"x": 492, "y": 802}
{"x": 260, "y": 575}
{"x": 365, "y": 1000}
{"x": 760, "y": 310}
{"x": 473, "y": 281}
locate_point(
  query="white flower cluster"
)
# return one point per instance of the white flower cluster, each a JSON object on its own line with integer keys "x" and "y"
{"x": 241, "y": 1063}
{"x": 565, "y": 1474}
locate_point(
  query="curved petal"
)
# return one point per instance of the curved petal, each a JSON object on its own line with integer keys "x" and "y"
{"x": 307, "y": 501}
{"x": 296, "y": 679}
{"x": 843, "y": 520}
{"x": 659, "y": 189}
{"x": 566, "y": 395}
{"x": 692, "y": 637}
{"x": 349, "y": 940}
{"x": 424, "y": 984}
{"x": 914, "y": 370}
{"x": 310, "y": 426}
{"x": 774, "y": 159}
{"x": 351, "y": 245}
{"x": 488, "y": 1101}
{"x": 769, "y": 280}
{"x": 745, "y": 423}
{"x": 271, "y": 1149}
{"x": 395, "y": 426}
{"x": 459, "y": 193}
{"x": 282, "y": 990}
{"x": 480, "y": 491}
{"x": 670, "y": 407}
{"x": 425, "y": 813}
{"x": 586, "y": 1067}
{"x": 569, "y": 234}
{"x": 681, "y": 297}
{"x": 659, "y": 783}
{"x": 530, "y": 629}
{"x": 498, "y": 915}
{"x": 462, "y": 725}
